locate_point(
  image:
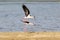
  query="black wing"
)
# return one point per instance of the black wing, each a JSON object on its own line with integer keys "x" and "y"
{"x": 26, "y": 10}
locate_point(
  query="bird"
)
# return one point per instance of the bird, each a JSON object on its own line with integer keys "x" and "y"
{"x": 27, "y": 12}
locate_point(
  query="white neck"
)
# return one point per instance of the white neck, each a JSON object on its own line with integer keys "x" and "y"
{"x": 29, "y": 16}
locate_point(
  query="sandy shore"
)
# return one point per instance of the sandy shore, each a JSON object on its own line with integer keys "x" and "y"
{"x": 29, "y": 35}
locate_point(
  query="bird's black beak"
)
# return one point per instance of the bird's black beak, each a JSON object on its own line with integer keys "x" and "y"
{"x": 34, "y": 17}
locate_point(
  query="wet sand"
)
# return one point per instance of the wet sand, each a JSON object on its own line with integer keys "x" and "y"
{"x": 29, "y": 35}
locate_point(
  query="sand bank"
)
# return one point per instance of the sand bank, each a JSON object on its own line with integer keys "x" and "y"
{"x": 29, "y": 35}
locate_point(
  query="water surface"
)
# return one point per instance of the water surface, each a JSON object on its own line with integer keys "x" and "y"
{"x": 47, "y": 17}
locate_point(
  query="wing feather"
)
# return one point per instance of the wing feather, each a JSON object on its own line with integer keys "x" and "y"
{"x": 26, "y": 10}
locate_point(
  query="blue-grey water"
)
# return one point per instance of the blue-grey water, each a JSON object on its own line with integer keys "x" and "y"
{"x": 47, "y": 17}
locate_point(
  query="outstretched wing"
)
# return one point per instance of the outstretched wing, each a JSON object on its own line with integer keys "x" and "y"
{"x": 26, "y": 10}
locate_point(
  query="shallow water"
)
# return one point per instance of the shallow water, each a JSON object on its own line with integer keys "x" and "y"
{"x": 47, "y": 17}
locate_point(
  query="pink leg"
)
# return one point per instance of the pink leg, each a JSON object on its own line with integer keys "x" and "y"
{"x": 25, "y": 29}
